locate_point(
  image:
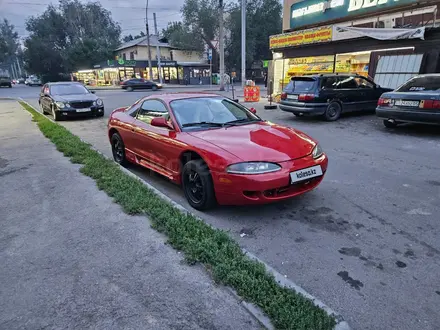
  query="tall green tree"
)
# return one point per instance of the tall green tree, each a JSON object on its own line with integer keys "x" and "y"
{"x": 8, "y": 41}
{"x": 70, "y": 36}
{"x": 263, "y": 19}
{"x": 178, "y": 35}
{"x": 131, "y": 37}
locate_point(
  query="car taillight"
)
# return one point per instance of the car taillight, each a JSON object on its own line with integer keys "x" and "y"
{"x": 306, "y": 97}
{"x": 384, "y": 102}
{"x": 283, "y": 96}
{"x": 429, "y": 104}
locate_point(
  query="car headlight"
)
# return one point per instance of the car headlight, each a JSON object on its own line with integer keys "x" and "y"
{"x": 60, "y": 104}
{"x": 253, "y": 168}
{"x": 99, "y": 102}
{"x": 317, "y": 151}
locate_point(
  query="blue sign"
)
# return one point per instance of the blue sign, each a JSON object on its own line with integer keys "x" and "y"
{"x": 312, "y": 12}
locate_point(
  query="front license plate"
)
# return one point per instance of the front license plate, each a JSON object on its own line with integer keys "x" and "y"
{"x": 83, "y": 110}
{"x": 404, "y": 103}
{"x": 292, "y": 97}
{"x": 306, "y": 173}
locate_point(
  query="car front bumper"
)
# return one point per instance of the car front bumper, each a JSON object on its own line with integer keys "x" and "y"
{"x": 233, "y": 189}
{"x": 303, "y": 108}
{"x": 409, "y": 116}
{"x": 71, "y": 113}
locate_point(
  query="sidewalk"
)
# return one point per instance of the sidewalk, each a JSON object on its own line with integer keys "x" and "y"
{"x": 72, "y": 259}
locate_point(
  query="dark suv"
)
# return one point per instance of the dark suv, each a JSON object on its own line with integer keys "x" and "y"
{"x": 5, "y": 82}
{"x": 330, "y": 95}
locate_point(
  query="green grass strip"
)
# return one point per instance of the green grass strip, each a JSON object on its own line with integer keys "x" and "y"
{"x": 200, "y": 243}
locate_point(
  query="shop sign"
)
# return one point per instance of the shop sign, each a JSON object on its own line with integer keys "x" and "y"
{"x": 304, "y": 37}
{"x": 121, "y": 62}
{"x": 321, "y": 11}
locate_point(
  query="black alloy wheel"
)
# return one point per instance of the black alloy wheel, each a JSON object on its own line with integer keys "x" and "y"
{"x": 55, "y": 114}
{"x": 333, "y": 111}
{"x": 154, "y": 88}
{"x": 197, "y": 185}
{"x": 118, "y": 149}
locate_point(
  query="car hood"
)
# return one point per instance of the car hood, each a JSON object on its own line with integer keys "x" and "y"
{"x": 75, "y": 98}
{"x": 260, "y": 142}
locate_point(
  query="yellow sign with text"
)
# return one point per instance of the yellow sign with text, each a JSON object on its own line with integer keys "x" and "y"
{"x": 304, "y": 37}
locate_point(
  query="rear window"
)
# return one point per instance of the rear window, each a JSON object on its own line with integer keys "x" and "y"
{"x": 420, "y": 84}
{"x": 300, "y": 84}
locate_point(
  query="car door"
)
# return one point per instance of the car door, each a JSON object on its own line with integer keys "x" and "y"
{"x": 368, "y": 94}
{"x": 156, "y": 145}
{"x": 348, "y": 93}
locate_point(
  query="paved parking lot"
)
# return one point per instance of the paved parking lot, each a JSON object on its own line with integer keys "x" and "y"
{"x": 365, "y": 242}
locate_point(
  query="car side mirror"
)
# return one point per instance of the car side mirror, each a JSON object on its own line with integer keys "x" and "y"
{"x": 161, "y": 122}
{"x": 93, "y": 92}
{"x": 253, "y": 110}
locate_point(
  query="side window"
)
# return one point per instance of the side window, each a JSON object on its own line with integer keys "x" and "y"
{"x": 347, "y": 83}
{"x": 134, "y": 109}
{"x": 151, "y": 109}
{"x": 329, "y": 83}
{"x": 364, "y": 83}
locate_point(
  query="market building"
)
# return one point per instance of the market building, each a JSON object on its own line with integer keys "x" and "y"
{"x": 387, "y": 40}
{"x": 177, "y": 66}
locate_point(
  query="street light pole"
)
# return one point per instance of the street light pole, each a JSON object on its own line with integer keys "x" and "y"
{"x": 159, "y": 66}
{"x": 243, "y": 43}
{"x": 148, "y": 42}
{"x": 222, "y": 47}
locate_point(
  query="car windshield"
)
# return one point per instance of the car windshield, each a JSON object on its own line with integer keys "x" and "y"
{"x": 420, "y": 84}
{"x": 205, "y": 112}
{"x": 68, "y": 89}
{"x": 300, "y": 84}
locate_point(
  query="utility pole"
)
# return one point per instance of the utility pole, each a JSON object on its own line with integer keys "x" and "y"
{"x": 148, "y": 42}
{"x": 222, "y": 47}
{"x": 243, "y": 43}
{"x": 159, "y": 67}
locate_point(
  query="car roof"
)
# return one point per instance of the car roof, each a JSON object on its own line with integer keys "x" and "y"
{"x": 329, "y": 75}
{"x": 168, "y": 97}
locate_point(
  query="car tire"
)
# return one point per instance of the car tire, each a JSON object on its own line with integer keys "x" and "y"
{"x": 298, "y": 114}
{"x": 154, "y": 88}
{"x": 55, "y": 114}
{"x": 390, "y": 124}
{"x": 333, "y": 111}
{"x": 42, "y": 109}
{"x": 10, "y": 86}
{"x": 118, "y": 149}
{"x": 197, "y": 185}
{"x": 129, "y": 89}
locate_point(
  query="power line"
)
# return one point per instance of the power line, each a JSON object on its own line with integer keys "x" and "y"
{"x": 117, "y": 7}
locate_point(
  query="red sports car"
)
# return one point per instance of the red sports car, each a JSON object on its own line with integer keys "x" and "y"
{"x": 218, "y": 150}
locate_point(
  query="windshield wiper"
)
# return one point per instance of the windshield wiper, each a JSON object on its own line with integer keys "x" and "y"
{"x": 241, "y": 121}
{"x": 203, "y": 123}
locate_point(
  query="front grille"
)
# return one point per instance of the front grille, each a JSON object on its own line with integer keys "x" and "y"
{"x": 81, "y": 105}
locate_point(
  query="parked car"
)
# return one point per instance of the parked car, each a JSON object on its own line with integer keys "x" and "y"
{"x": 416, "y": 101}
{"x": 135, "y": 83}
{"x": 21, "y": 81}
{"x": 218, "y": 150}
{"x": 34, "y": 81}
{"x": 5, "y": 81}
{"x": 330, "y": 95}
{"x": 69, "y": 99}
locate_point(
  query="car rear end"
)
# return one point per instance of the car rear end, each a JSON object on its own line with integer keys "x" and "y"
{"x": 417, "y": 101}
{"x": 301, "y": 97}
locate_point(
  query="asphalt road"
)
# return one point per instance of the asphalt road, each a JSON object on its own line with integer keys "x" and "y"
{"x": 365, "y": 241}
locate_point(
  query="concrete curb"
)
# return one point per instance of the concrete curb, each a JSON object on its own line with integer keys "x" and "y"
{"x": 254, "y": 310}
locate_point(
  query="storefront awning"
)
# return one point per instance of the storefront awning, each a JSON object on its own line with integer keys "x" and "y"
{"x": 385, "y": 34}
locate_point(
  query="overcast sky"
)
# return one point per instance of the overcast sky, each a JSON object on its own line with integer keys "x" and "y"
{"x": 129, "y": 13}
